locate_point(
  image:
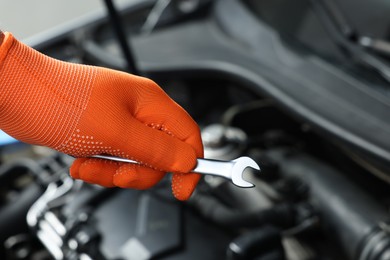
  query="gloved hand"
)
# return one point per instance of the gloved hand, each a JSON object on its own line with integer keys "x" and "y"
{"x": 83, "y": 110}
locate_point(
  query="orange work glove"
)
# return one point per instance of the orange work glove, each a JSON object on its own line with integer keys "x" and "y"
{"x": 83, "y": 110}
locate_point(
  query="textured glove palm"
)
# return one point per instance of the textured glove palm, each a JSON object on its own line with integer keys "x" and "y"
{"x": 83, "y": 110}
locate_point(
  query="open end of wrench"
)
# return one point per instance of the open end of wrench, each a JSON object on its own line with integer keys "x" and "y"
{"x": 238, "y": 171}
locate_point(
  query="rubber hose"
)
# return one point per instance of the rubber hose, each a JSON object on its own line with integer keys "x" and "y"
{"x": 281, "y": 215}
{"x": 348, "y": 215}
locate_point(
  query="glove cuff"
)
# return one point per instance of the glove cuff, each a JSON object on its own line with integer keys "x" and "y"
{"x": 41, "y": 99}
{"x": 8, "y": 41}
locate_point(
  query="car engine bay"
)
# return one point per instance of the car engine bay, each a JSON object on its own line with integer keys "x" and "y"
{"x": 316, "y": 123}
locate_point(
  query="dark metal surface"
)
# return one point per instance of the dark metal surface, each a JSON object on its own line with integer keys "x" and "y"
{"x": 229, "y": 48}
{"x": 304, "y": 84}
{"x": 122, "y": 37}
{"x": 349, "y": 215}
{"x": 152, "y": 226}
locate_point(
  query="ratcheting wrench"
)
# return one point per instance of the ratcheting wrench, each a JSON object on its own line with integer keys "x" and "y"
{"x": 232, "y": 170}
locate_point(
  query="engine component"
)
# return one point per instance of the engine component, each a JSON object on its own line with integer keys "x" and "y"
{"x": 223, "y": 142}
{"x": 282, "y": 215}
{"x": 262, "y": 243}
{"x": 47, "y": 226}
{"x": 350, "y": 217}
{"x": 122, "y": 37}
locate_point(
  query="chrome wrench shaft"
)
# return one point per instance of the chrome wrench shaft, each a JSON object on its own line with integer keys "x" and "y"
{"x": 232, "y": 170}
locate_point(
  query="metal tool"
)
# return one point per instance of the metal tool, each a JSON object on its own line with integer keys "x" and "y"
{"x": 232, "y": 170}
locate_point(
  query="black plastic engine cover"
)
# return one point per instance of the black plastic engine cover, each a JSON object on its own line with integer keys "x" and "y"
{"x": 146, "y": 225}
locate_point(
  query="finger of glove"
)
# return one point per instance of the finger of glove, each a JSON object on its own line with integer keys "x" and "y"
{"x": 109, "y": 174}
{"x": 136, "y": 177}
{"x": 183, "y": 127}
{"x": 154, "y": 148}
{"x": 95, "y": 171}
{"x": 184, "y": 184}
{"x": 175, "y": 154}
{"x": 74, "y": 169}
{"x": 167, "y": 116}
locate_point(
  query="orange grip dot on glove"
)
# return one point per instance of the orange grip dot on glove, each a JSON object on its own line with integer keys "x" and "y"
{"x": 84, "y": 110}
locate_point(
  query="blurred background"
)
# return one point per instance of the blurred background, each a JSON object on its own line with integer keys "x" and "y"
{"x": 28, "y": 18}
{"x": 302, "y": 87}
